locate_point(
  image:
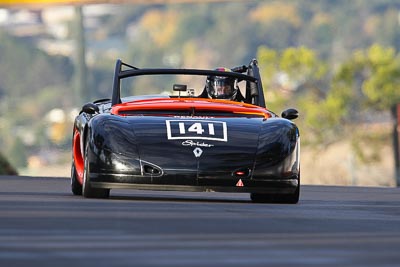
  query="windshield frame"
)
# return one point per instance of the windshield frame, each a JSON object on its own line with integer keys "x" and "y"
{"x": 120, "y": 74}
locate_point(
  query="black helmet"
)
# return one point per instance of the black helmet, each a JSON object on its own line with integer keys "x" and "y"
{"x": 221, "y": 87}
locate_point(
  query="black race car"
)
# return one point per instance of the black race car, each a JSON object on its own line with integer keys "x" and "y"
{"x": 182, "y": 129}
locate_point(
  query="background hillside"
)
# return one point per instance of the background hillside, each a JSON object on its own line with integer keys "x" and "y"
{"x": 336, "y": 61}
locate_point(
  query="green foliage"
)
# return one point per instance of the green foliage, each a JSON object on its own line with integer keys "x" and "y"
{"x": 269, "y": 65}
{"x": 289, "y": 73}
{"x": 17, "y": 154}
{"x": 323, "y": 118}
{"x": 331, "y": 104}
{"x": 382, "y": 87}
{"x": 299, "y": 63}
{"x": 302, "y": 64}
{"x": 31, "y": 83}
{"x": 20, "y": 59}
{"x": 374, "y": 75}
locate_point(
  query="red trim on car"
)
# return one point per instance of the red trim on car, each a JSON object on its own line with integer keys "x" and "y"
{"x": 78, "y": 159}
{"x": 189, "y": 103}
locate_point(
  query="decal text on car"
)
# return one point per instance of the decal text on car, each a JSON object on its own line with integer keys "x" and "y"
{"x": 193, "y": 143}
{"x": 197, "y": 129}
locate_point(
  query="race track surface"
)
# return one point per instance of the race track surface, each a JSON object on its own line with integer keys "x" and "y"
{"x": 43, "y": 224}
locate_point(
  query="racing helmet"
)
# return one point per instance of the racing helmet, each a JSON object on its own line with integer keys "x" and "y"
{"x": 220, "y": 87}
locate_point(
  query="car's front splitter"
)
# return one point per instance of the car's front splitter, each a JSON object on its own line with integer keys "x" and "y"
{"x": 274, "y": 185}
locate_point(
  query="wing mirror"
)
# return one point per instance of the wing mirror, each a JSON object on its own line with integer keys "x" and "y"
{"x": 290, "y": 114}
{"x": 90, "y": 108}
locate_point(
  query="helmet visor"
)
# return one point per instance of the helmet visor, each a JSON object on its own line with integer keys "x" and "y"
{"x": 223, "y": 88}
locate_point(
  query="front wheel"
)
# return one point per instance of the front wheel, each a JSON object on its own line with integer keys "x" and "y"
{"x": 277, "y": 198}
{"x": 76, "y": 187}
{"x": 87, "y": 190}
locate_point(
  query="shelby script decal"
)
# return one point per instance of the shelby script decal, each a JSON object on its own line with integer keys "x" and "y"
{"x": 197, "y": 129}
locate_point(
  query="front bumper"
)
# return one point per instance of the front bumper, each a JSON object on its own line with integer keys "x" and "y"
{"x": 272, "y": 185}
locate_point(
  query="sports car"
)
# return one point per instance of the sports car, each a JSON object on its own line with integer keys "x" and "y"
{"x": 160, "y": 130}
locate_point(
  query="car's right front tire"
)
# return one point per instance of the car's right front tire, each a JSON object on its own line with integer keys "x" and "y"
{"x": 76, "y": 187}
{"x": 276, "y": 198}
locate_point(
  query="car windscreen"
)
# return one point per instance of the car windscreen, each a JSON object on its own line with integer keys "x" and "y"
{"x": 163, "y": 85}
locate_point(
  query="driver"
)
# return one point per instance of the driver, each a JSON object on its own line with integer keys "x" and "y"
{"x": 220, "y": 87}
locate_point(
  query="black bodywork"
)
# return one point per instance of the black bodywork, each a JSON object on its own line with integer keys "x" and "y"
{"x": 223, "y": 150}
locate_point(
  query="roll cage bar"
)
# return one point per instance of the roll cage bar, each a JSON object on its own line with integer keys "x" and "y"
{"x": 254, "y": 90}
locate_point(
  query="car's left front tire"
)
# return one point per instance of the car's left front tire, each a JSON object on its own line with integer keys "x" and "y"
{"x": 87, "y": 190}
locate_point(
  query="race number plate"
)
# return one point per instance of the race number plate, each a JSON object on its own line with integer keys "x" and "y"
{"x": 197, "y": 129}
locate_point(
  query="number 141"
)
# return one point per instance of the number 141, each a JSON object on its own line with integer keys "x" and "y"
{"x": 196, "y": 128}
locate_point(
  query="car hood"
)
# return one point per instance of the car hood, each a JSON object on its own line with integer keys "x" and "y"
{"x": 207, "y": 146}
{"x": 209, "y": 137}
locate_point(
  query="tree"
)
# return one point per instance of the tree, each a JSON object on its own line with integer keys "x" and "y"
{"x": 374, "y": 75}
{"x": 371, "y": 78}
{"x": 290, "y": 73}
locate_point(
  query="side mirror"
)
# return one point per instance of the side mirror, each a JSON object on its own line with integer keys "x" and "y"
{"x": 290, "y": 114}
{"x": 90, "y": 108}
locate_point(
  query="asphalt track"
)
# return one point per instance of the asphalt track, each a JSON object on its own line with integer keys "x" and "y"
{"x": 43, "y": 224}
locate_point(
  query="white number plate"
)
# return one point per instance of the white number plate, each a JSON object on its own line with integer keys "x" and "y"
{"x": 197, "y": 129}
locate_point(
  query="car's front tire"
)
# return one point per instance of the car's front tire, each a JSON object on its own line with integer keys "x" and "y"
{"x": 87, "y": 190}
{"x": 277, "y": 198}
{"x": 76, "y": 187}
